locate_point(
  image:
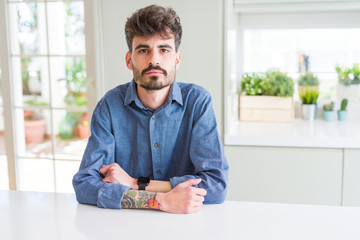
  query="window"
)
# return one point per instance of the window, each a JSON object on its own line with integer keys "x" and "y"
{"x": 285, "y": 49}
{"x": 269, "y": 36}
{"x": 47, "y": 59}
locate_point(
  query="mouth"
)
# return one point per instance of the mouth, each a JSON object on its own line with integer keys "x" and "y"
{"x": 154, "y": 72}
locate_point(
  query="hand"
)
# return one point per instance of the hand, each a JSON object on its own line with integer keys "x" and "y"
{"x": 183, "y": 198}
{"x": 113, "y": 173}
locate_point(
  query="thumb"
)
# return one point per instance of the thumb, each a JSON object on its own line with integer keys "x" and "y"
{"x": 191, "y": 182}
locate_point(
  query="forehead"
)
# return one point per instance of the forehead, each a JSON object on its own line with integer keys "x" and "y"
{"x": 153, "y": 41}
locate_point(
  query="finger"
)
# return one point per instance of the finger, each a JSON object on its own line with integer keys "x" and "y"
{"x": 197, "y": 204}
{"x": 197, "y": 198}
{"x": 104, "y": 168}
{"x": 199, "y": 191}
{"x": 109, "y": 180}
{"x": 191, "y": 182}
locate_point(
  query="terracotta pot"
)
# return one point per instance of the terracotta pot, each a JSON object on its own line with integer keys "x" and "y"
{"x": 35, "y": 131}
{"x": 82, "y": 131}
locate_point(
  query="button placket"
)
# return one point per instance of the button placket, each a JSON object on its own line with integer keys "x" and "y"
{"x": 155, "y": 153}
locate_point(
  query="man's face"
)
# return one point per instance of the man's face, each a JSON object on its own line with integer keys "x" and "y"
{"x": 154, "y": 61}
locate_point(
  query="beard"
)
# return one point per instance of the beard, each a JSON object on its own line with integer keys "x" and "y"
{"x": 154, "y": 82}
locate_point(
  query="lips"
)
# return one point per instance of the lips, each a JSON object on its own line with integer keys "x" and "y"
{"x": 154, "y": 70}
{"x": 151, "y": 72}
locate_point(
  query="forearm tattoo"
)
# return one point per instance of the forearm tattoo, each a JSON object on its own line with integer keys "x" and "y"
{"x": 140, "y": 199}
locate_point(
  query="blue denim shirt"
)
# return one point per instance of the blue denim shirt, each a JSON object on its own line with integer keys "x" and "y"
{"x": 176, "y": 142}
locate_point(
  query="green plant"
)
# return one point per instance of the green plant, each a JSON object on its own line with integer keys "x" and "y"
{"x": 329, "y": 107}
{"x": 75, "y": 82}
{"x": 344, "y": 104}
{"x": 308, "y": 79}
{"x": 37, "y": 113}
{"x": 309, "y": 96}
{"x": 278, "y": 84}
{"x": 253, "y": 83}
{"x": 348, "y": 76}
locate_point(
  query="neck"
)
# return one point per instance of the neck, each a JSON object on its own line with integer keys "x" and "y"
{"x": 152, "y": 98}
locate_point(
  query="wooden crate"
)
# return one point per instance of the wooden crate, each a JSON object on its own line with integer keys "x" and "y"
{"x": 266, "y": 109}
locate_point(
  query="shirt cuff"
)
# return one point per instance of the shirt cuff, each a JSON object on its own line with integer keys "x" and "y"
{"x": 174, "y": 181}
{"x": 110, "y": 195}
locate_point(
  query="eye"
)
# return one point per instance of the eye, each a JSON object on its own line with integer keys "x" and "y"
{"x": 164, "y": 50}
{"x": 143, "y": 50}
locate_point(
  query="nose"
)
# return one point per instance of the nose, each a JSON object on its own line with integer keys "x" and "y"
{"x": 154, "y": 58}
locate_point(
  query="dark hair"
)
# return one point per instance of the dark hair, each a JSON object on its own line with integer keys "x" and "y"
{"x": 152, "y": 20}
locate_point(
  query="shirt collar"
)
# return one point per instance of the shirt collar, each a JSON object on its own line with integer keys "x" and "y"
{"x": 131, "y": 94}
{"x": 175, "y": 93}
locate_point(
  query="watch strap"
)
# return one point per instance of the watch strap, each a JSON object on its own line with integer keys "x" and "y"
{"x": 142, "y": 186}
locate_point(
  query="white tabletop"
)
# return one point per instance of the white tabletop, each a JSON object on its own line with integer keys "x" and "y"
{"x": 31, "y": 215}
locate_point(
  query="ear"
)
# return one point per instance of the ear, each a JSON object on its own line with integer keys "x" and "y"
{"x": 128, "y": 60}
{"x": 178, "y": 59}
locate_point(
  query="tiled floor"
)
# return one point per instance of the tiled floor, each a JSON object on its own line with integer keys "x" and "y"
{"x": 37, "y": 169}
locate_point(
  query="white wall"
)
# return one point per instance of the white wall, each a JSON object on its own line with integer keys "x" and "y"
{"x": 201, "y": 48}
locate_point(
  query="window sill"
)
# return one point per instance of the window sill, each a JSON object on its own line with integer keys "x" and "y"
{"x": 300, "y": 133}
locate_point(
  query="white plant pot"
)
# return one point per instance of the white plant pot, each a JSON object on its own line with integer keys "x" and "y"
{"x": 309, "y": 111}
{"x": 351, "y": 92}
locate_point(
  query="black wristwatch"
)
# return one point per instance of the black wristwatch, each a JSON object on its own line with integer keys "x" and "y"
{"x": 143, "y": 182}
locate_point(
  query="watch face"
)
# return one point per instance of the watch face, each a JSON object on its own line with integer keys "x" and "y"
{"x": 145, "y": 180}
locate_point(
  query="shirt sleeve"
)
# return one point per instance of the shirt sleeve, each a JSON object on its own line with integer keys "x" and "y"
{"x": 207, "y": 155}
{"x": 100, "y": 150}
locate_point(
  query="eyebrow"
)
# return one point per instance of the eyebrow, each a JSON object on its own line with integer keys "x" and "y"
{"x": 148, "y": 46}
{"x": 165, "y": 46}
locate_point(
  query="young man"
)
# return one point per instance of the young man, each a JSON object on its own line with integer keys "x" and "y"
{"x": 154, "y": 142}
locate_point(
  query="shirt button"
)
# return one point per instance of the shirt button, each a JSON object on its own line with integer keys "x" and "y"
{"x": 158, "y": 171}
{"x": 155, "y": 145}
{"x": 153, "y": 117}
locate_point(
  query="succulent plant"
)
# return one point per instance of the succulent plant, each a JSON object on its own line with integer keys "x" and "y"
{"x": 329, "y": 107}
{"x": 344, "y": 104}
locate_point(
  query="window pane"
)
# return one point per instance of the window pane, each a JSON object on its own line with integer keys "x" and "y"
{"x": 68, "y": 82}
{"x": 72, "y": 133}
{"x": 31, "y": 81}
{"x": 283, "y": 49}
{"x": 36, "y": 175}
{"x": 66, "y": 27}
{"x": 33, "y": 133}
{"x": 27, "y": 28}
{"x": 65, "y": 171}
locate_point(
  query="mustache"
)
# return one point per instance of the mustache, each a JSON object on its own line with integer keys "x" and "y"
{"x": 151, "y": 67}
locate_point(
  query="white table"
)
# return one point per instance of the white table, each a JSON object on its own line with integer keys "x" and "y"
{"x": 31, "y": 215}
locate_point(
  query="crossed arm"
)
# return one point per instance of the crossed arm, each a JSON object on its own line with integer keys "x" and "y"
{"x": 184, "y": 198}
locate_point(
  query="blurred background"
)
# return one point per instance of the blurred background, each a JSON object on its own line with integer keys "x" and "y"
{"x": 58, "y": 58}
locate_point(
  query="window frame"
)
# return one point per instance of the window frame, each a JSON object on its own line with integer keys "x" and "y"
{"x": 8, "y": 88}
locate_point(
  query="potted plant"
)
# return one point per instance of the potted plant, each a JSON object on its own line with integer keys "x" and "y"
{"x": 308, "y": 81}
{"x": 349, "y": 82}
{"x": 253, "y": 84}
{"x": 309, "y": 106}
{"x": 328, "y": 112}
{"x": 82, "y": 129}
{"x": 35, "y": 124}
{"x": 75, "y": 83}
{"x": 266, "y": 97}
{"x": 342, "y": 113}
